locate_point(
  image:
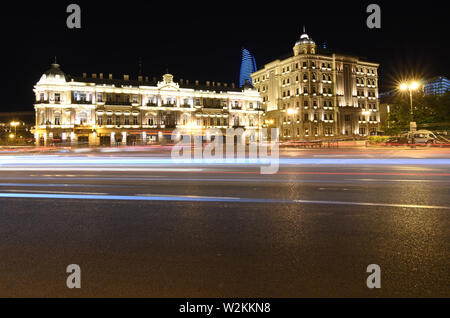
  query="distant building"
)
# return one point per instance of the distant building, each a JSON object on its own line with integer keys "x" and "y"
{"x": 104, "y": 111}
{"x": 248, "y": 66}
{"x": 436, "y": 86}
{"x": 314, "y": 93}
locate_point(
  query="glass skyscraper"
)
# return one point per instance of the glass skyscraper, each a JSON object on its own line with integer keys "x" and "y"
{"x": 248, "y": 66}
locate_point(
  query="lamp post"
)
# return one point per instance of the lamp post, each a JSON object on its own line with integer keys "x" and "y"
{"x": 14, "y": 124}
{"x": 292, "y": 112}
{"x": 412, "y": 86}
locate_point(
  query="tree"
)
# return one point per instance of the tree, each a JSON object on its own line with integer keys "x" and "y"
{"x": 430, "y": 111}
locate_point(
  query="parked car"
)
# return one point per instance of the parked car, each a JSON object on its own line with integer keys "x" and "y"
{"x": 422, "y": 137}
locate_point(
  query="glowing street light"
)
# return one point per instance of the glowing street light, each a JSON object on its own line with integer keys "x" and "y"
{"x": 14, "y": 124}
{"x": 403, "y": 87}
{"x": 411, "y": 86}
{"x": 414, "y": 86}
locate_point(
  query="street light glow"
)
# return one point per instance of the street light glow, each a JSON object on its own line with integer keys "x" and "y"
{"x": 412, "y": 86}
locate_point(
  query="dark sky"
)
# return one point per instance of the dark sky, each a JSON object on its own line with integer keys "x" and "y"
{"x": 202, "y": 40}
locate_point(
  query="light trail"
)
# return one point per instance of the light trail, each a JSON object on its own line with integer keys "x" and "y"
{"x": 98, "y": 169}
{"x": 23, "y": 161}
{"x": 188, "y": 198}
{"x": 167, "y": 179}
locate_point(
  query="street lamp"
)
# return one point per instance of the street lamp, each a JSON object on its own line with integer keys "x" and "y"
{"x": 412, "y": 86}
{"x": 15, "y": 124}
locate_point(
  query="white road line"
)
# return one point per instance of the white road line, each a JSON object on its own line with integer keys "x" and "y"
{"x": 189, "y": 198}
{"x": 374, "y": 204}
{"x": 97, "y": 169}
{"x": 56, "y": 192}
{"x": 399, "y": 180}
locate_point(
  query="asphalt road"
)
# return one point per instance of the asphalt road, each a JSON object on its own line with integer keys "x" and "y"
{"x": 160, "y": 230}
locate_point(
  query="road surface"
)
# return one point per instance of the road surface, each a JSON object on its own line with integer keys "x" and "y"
{"x": 141, "y": 229}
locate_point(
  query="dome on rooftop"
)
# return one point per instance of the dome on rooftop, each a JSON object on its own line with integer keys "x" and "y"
{"x": 54, "y": 74}
{"x": 304, "y": 39}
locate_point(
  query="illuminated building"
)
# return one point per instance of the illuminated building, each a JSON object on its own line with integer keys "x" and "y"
{"x": 313, "y": 93}
{"x": 100, "y": 110}
{"x": 436, "y": 86}
{"x": 248, "y": 66}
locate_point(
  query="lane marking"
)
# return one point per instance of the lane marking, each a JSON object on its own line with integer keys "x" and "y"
{"x": 399, "y": 180}
{"x": 25, "y": 168}
{"x": 188, "y": 198}
{"x": 56, "y": 192}
{"x": 414, "y": 206}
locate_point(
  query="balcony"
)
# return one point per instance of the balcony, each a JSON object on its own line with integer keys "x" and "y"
{"x": 151, "y": 104}
{"x": 213, "y": 106}
{"x": 117, "y": 103}
{"x": 82, "y": 102}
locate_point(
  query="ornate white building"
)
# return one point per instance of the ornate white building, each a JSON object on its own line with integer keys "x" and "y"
{"x": 316, "y": 94}
{"x": 102, "y": 111}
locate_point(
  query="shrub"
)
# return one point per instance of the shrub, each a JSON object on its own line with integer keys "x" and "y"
{"x": 377, "y": 139}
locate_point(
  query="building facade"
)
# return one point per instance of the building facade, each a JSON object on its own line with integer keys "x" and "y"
{"x": 314, "y": 94}
{"x": 100, "y": 110}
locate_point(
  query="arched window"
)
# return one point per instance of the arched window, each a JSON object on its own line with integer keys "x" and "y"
{"x": 83, "y": 118}
{"x": 57, "y": 118}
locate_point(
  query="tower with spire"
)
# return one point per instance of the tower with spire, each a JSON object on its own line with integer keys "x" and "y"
{"x": 305, "y": 45}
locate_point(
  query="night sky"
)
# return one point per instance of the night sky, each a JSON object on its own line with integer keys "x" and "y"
{"x": 203, "y": 40}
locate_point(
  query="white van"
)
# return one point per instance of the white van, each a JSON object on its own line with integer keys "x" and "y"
{"x": 422, "y": 137}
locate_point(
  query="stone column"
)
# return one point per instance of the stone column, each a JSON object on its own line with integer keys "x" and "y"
{"x": 124, "y": 138}
{"x": 73, "y": 139}
{"x": 37, "y": 140}
{"x": 93, "y": 139}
